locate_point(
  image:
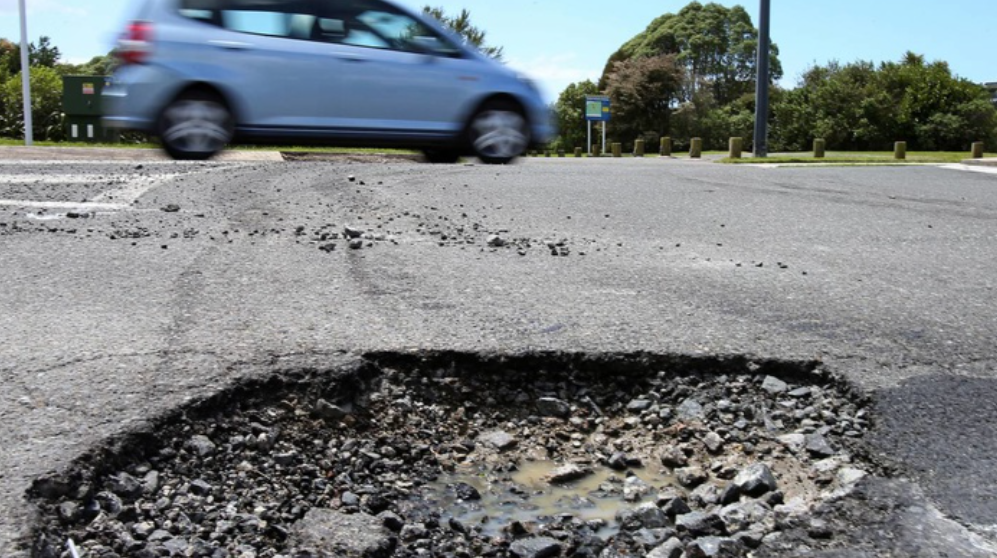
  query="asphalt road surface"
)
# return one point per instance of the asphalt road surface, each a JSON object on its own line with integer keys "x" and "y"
{"x": 130, "y": 287}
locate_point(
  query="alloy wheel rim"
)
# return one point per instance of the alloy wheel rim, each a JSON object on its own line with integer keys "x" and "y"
{"x": 197, "y": 126}
{"x": 500, "y": 134}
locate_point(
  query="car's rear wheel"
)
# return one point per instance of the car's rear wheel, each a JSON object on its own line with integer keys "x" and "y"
{"x": 498, "y": 132}
{"x": 195, "y": 126}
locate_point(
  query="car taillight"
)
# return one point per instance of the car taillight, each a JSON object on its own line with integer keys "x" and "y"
{"x": 136, "y": 43}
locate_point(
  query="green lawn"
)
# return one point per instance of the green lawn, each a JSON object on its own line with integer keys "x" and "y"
{"x": 858, "y": 158}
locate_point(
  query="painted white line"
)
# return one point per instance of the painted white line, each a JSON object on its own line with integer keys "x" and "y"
{"x": 64, "y": 205}
{"x": 133, "y": 189}
{"x": 971, "y": 168}
{"x": 37, "y": 178}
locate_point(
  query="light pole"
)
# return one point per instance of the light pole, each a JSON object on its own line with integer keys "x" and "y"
{"x": 762, "y": 86}
{"x": 25, "y": 76}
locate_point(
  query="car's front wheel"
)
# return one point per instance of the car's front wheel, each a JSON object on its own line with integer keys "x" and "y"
{"x": 195, "y": 126}
{"x": 499, "y": 133}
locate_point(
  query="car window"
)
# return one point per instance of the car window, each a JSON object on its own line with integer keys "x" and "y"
{"x": 278, "y": 18}
{"x": 374, "y": 24}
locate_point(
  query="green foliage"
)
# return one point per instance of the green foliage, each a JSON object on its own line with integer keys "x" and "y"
{"x": 861, "y": 107}
{"x": 569, "y": 110}
{"x": 461, "y": 24}
{"x": 716, "y": 45}
{"x": 46, "y": 105}
{"x": 43, "y": 54}
{"x": 642, "y": 92}
{"x": 97, "y": 66}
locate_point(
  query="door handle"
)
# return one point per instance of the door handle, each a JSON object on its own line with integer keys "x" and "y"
{"x": 231, "y": 45}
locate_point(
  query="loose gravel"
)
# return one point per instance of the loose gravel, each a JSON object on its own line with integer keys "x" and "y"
{"x": 425, "y": 455}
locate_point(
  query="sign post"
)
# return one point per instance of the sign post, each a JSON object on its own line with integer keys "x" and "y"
{"x": 597, "y": 110}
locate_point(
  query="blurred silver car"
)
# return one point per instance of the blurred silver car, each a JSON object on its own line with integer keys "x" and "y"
{"x": 200, "y": 74}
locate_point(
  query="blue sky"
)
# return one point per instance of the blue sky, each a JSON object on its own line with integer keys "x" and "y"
{"x": 562, "y": 41}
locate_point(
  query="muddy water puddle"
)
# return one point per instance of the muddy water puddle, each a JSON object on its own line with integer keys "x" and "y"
{"x": 527, "y": 495}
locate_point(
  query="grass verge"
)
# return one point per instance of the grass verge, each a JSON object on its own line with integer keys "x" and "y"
{"x": 857, "y": 158}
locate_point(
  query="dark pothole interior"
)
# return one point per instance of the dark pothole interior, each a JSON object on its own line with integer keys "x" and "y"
{"x": 461, "y": 455}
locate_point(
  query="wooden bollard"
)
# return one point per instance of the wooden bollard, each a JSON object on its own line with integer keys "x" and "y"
{"x": 736, "y": 145}
{"x": 900, "y": 150}
{"x": 978, "y": 150}
{"x": 578, "y": 152}
{"x": 639, "y": 148}
{"x": 696, "y": 148}
{"x": 617, "y": 150}
{"x": 666, "y": 147}
{"x": 560, "y": 153}
{"x": 596, "y": 150}
{"x": 819, "y": 148}
{"x": 546, "y": 152}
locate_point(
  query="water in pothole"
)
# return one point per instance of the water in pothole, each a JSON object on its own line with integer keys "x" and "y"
{"x": 528, "y": 495}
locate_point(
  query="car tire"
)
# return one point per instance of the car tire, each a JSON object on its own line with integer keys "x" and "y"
{"x": 498, "y": 132}
{"x": 195, "y": 126}
{"x": 442, "y": 156}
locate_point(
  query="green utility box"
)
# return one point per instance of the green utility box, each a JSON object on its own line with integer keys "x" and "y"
{"x": 81, "y": 104}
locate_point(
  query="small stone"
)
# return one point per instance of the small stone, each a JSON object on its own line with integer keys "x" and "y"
{"x": 414, "y": 532}
{"x": 391, "y": 520}
{"x": 774, "y": 385}
{"x": 331, "y": 533}
{"x": 68, "y": 511}
{"x": 551, "y": 407}
{"x": 617, "y": 461}
{"x": 690, "y": 409}
{"x": 352, "y": 232}
{"x": 356, "y": 244}
{"x": 755, "y": 480}
{"x": 125, "y": 486}
{"x": 200, "y": 487}
{"x": 793, "y": 442}
{"x": 743, "y": 516}
{"x": 715, "y": 547}
{"x": 700, "y": 524}
{"x": 328, "y": 248}
{"x": 801, "y": 393}
{"x": 499, "y": 439}
{"x": 202, "y": 446}
{"x": 690, "y": 477}
{"x": 143, "y": 530}
{"x": 672, "y": 548}
{"x": 568, "y": 473}
{"x": 817, "y": 446}
{"x": 672, "y": 503}
{"x": 466, "y": 492}
{"x": 536, "y": 547}
{"x": 645, "y": 516}
{"x": 496, "y": 241}
{"x": 171, "y": 208}
{"x": 674, "y": 457}
{"x": 713, "y": 442}
{"x": 349, "y": 499}
{"x": 639, "y": 405}
{"x": 351, "y": 178}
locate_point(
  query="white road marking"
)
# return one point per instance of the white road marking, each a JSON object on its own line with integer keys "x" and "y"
{"x": 971, "y": 168}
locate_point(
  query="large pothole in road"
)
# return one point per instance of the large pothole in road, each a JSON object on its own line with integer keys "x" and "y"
{"x": 457, "y": 455}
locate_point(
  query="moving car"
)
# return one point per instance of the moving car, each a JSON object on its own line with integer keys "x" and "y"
{"x": 200, "y": 74}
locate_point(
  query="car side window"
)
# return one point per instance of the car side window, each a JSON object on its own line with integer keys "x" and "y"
{"x": 292, "y": 19}
{"x": 373, "y": 24}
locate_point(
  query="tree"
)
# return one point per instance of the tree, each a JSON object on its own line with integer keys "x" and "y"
{"x": 569, "y": 110}
{"x": 642, "y": 92}
{"x": 860, "y": 106}
{"x": 716, "y": 45}
{"x": 461, "y": 24}
{"x": 96, "y": 66}
{"x": 46, "y": 105}
{"x": 44, "y": 54}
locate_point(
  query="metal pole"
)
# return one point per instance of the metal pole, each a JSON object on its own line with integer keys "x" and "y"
{"x": 588, "y": 146}
{"x": 761, "y": 148}
{"x": 603, "y": 136}
{"x": 26, "y": 76}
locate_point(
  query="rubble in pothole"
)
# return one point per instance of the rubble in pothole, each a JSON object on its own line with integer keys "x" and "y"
{"x": 524, "y": 457}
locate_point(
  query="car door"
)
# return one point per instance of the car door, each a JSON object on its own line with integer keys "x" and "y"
{"x": 266, "y": 55}
{"x": 400, "y": 78}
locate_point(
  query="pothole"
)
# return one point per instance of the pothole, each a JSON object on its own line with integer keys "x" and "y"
{"x": 461, "y": 455}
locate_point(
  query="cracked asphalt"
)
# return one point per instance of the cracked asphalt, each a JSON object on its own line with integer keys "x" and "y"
{"x": 132, "y": 286}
